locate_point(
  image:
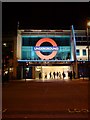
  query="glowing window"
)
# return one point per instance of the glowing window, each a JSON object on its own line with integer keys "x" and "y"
{"x": 77, "y": 52}
{"x": 84, "y": 52}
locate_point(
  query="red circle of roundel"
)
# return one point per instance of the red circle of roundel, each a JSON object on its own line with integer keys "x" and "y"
{"x": 46, "y": 57}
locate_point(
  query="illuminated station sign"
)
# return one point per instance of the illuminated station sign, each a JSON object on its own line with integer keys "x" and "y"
{"x": 38, "y": 49}
{"x": 48, "y": 48}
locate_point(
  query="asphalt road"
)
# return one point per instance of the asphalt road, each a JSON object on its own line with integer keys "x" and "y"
{"x": 45, "y": 99}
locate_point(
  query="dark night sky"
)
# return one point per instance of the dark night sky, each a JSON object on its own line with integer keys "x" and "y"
{"x": 44, "y": 15}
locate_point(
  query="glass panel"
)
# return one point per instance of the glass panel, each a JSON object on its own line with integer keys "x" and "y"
{"x": 84, "y": 38}
{"x": 79, "y": 38}
{"x": 84, "y": 52}
{"x": 63, "y": 44}
{"x": 77, "y": 52}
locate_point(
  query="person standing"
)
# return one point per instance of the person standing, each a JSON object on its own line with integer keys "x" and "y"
{"x": 50, "y": 75}
{"x": 45, "y": 75}
{"x": 71, "y": 75}
{"x": 63, "y": 75}
{"x": 40, "y": 75}
{"x": 74, "y": 74}
{"x": 59, "y": 74}
{"x": 54, "y": 74}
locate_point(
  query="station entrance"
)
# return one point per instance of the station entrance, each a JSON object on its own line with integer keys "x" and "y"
{"x": 51, "y": 72}
{"x": 46, "y": 55}
{"x": 45, "y": 72}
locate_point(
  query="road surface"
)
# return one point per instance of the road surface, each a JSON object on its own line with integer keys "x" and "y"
{"x": 57, "y": 99}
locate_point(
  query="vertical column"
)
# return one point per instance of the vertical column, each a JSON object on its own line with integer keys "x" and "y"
{"x": 1, "y": 61}
{"x": 15, "y": 59}
{"x": 33, "y": 72}
{"x": 17, "y": 53}
{"x": 21, "y": 72}
{"x": 73, "y": 50}
{"x": 76, "y": 68}
{"x": 19, "y": 45}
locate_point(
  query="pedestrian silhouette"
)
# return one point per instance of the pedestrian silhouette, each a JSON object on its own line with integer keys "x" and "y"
{"x": 54, "y": 74}
{"x": 50, "y": 75}
{"x": 74, "y": 74}
{"x": 45, "y": 75}
{"x": 40, "y": 75}
{"x": 59, "y": 74}
{"x": 71, "y": 75}
{"x": 63, "y": 75}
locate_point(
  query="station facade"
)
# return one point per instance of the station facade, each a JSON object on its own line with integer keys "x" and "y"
{"x": 47, "y": 54}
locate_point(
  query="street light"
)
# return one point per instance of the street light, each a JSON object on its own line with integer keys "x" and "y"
{"x": 88, "y": 25}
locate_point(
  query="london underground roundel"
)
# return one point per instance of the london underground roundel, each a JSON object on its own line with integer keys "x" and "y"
{"x": 38, "y": 48}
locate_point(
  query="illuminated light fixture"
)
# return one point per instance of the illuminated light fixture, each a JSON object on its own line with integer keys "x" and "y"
{"x": 5, "y": 44}
{"x": 6, "y": 72}
{"x": 88, "y": 23}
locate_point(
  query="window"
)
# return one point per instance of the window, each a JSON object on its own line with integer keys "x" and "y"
{"x": 78, "y": 52}
{"x": 84, "y": 52}
{"x": 84, "y": 38}
{"x": 79, "y": 38}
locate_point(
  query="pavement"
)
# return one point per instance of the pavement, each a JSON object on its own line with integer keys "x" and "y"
{"x": 54, "y": 99}
{"x": 50, "y": 80}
